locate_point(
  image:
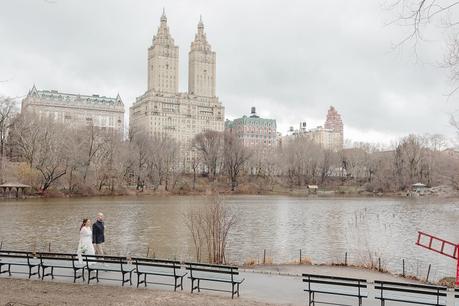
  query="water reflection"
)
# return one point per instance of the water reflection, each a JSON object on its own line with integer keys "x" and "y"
{"x": 323, "y": 228}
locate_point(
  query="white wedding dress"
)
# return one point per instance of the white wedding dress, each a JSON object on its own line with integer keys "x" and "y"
{"x": 85, "y": 246}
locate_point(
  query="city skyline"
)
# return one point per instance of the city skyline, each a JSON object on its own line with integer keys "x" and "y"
{"x": 267, "y": 65}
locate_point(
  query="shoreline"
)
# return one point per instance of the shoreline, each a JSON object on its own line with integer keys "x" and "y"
{"x": 295, "y": 193}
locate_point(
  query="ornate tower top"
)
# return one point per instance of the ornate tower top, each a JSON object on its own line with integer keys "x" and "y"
{"x": 201, "y": 65}
{"x": 163, "y": 37}
{"x": 163, "y": 60}
{"x": 334, "y": 121}
{"x": 200, "y": 40}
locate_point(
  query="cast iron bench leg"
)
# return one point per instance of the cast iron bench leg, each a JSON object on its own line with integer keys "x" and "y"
{"x": 192, "y": 285}
{"x": 238, "y": 290}
{"x": 232, "y": 290}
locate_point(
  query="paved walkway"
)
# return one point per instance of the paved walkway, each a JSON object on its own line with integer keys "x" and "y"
{"x": 269, "y": 284}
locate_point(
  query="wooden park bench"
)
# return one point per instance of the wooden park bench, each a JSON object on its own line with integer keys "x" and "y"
{"x": 19, "y": 258}
{"x": 410, "y": 293}
{"x": 161, "y": 268}
{"x": 214, "y": 273}
{"x": 97, "y": 263}
{"x": 333, "y": 285}
{"x": 61, "y": 261}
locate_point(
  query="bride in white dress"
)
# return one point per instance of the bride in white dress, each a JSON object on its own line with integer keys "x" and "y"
{"x": 85, "y": 246}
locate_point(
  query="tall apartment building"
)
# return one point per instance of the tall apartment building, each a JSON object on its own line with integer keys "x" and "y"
{"x": 164, "y": 111}
{"x": 76, "y": 109}
{"x": 335, "y": 123}
{"x": 254, "y": 131}
{"x": 329, "y": 137}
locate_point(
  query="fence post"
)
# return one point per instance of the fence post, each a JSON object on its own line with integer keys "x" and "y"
{"x": 148, "y": 251}
{"x": 264, "y": 256}
{"x": 428, "y": 273}
{"x": 1, "y": 244}
{"x": 379, "y": 264}
{"x": 403, "y": 267}
{"x": 345, "y": 259}
{"x": 300, "y": 256}
{"x": 49, "y": 247}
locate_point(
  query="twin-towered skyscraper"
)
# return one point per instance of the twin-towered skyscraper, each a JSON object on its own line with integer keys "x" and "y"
{"x": 164, "y": 111}
{"x": 163, "y": 63}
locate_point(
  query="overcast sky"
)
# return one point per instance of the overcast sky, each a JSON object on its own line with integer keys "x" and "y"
{"x": 290, "y": 59}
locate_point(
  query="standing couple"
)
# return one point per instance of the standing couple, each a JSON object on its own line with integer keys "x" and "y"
{"x": 91, "y": 239}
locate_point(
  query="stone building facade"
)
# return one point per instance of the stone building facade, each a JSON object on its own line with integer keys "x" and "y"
{"x": 164, "y": 111}
{"x": 254, "y": 131}
{"x": 334, "y": 123}
{"x": 75, "y": 109}
{"x": 329, "y": 137}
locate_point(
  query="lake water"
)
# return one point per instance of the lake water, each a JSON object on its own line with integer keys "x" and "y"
{"x": 323, "y": 228}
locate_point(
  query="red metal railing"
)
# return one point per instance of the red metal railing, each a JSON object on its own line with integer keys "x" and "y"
{"x": 440, "y": 246}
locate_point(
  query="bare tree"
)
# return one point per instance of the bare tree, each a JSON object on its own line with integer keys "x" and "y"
{"x": 210, "y": 145}
{"x": 7, "y": 110}
{"x": 52, "y": 160}
{"x": 93, "y": 144}
{"x": 420, "y": 17}
{"x": 235, "y": 157}
{"x": 24, "y": 137}
{"x": 139, "y": 148}
{"x": 210, "y": 228}
{"x": 195, "y": 164}
{"x": 163, "y": 160}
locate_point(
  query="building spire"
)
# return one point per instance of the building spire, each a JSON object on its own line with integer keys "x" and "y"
{"x": 200, "y": 39}
{"x": 163, "y": 16}
{"x": 163, "y": 36}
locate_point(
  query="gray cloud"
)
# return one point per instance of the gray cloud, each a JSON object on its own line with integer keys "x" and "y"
{"x": 290, "y": 59}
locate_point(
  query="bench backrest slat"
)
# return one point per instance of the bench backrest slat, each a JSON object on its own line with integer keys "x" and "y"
{"x": 213, "y": 269}
{"x": 335, "y": 278}
{"x": 415, "y": 291}
{"x": 19, "y": 254}
{"x": 411, "y": 285}
{"x": 356, "y": 283}
{"x": 198, "y": 264}
{"x": 344, "y": 284}
{"x": 156, "y": 260}
{"x": 410, "y": 292}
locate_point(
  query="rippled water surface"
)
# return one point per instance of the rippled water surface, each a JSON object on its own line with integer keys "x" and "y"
{"x": 323, "y": 228}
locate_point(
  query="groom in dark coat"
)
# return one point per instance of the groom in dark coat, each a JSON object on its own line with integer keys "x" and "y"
{"x": 98, "y": 237}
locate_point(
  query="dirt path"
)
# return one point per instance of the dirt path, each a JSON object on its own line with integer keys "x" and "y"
{"x": 34, "y": 292}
